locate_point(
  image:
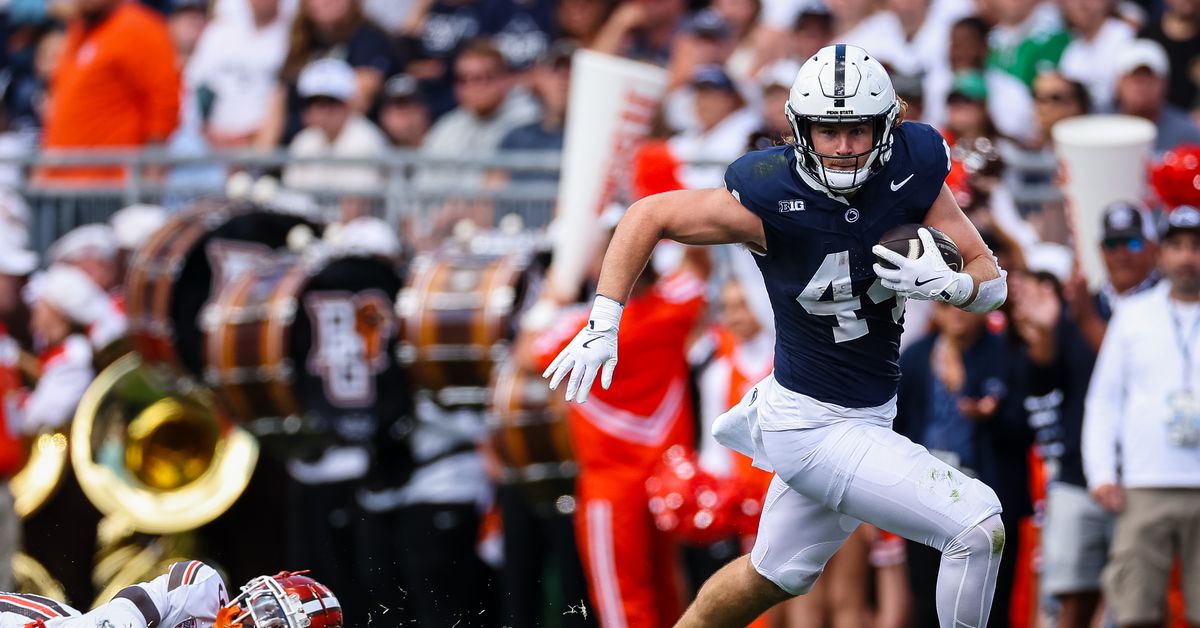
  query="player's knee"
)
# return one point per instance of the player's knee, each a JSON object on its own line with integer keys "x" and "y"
{"x": 789, "y": 580}
{"x": 984, "y": 539}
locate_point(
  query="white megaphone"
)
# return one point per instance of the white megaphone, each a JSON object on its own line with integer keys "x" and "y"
{"x": 1101, "y": 159}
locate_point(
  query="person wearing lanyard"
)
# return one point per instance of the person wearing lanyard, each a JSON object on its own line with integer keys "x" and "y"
{"x": 1141, "y": 434}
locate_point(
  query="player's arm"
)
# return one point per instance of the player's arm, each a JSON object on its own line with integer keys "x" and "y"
{"x": 188, "y": 589}
{"x": 980, "y": 287}
{"x": 687, "y": 216}
{"x": 946, "y": 216}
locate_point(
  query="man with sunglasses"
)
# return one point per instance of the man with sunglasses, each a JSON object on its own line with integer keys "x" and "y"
{"x": 189, "y": 595}
{"x": 1129, "y": 246}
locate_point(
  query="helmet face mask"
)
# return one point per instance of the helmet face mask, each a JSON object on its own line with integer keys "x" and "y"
{"x": 842, "y": 85}
{"x": 286, "y": 600}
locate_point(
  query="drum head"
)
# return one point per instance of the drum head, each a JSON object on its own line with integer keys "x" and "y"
{"x": 218, "y": 258}
{"x": 343, "y": 345}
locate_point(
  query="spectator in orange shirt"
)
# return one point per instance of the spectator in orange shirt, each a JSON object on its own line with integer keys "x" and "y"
{"x": 117, "y": 85}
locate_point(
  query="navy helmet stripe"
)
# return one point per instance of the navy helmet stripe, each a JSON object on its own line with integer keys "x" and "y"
{"x": 839, "y": 70}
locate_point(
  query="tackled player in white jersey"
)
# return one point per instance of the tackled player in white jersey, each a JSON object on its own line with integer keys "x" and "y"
{"x": 190, "y": 595}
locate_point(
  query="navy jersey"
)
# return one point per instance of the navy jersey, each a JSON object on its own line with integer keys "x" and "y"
{"x": 837, "y": 329}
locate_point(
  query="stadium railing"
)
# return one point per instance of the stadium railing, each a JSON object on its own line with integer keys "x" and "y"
{"x": 418, "y": 193}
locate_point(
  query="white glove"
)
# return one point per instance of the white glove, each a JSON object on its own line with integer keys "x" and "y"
{"x": 593, "y": 348}
{"x": 926, "y": 278}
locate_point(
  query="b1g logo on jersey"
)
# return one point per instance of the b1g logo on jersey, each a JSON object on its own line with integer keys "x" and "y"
{"x": 792, "y": 205}
{"x": 190, "y": 622}
{"x": 351, "y": 333}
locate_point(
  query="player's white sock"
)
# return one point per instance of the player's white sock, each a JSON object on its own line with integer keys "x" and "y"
{"x": 967, "y": 576}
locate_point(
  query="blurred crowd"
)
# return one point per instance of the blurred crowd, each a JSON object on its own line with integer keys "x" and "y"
{"x": 353, "y": 77}
{"x": 1068, "y": 407}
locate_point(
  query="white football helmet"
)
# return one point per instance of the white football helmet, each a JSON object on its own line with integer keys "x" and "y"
{"x": 842, "y": 84}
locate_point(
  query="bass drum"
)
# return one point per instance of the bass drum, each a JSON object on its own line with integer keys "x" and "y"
{"x": 185, "y": 263}
{"x": 529, "y": 435}
{"x": 313, "y": 339}
{"x": 457, "y": 316}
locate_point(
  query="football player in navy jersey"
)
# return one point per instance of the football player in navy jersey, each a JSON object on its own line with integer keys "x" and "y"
{"x": 813, "y": 213}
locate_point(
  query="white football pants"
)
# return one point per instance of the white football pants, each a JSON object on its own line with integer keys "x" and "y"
{"x": 830, "y": 478}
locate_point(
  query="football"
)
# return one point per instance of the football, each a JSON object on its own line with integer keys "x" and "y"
{"x": 904, "y": 240}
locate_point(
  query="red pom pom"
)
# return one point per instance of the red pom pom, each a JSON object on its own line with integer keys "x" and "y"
{"x": 1176, "y": 179}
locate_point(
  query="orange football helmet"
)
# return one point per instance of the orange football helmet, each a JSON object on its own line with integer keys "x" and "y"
{"x": 289, "y": 599}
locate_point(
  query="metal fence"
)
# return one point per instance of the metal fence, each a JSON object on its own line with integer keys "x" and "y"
{"x": 421, "y": 196}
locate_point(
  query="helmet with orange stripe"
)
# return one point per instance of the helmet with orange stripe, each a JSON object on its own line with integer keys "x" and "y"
{"x": 289, "y": 599}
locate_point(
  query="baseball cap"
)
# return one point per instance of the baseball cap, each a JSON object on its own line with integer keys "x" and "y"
{"x": 781, "y": 73}
{"x": 707, "y": 23}
{"x": 1125, "y": 220}
{"x": 909, "y": 85}
{"x": 402, "y": 87}
{"x": 1182, "y": 218}
{"x": 970, "y": 85}
{"x": 712, "y": 75}
{"x": 332, "y": 78}
{"x": 815, "y": 13}
{"x": 1143, "y": 53}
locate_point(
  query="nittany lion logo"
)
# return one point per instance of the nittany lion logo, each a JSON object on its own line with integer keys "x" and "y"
{"x": 351, "y": 332}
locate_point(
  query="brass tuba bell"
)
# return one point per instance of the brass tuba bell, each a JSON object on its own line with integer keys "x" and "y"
{"x": 37, "y": 480}
{"x": 155, "y": 450}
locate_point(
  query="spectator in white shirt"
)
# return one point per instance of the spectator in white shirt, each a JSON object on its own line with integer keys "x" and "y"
{"x": 1143, "y": 68}
{"x": 723, "y": 128}
{"x": 860, "y": 23}
{"x": 704, "y": 39}
{"x": 926, "y": 25}
{"x": 742, "y": 17}
{"x": 1141, "y": 434}
{"x": 1008, "y": 102}
{"x": 1098, "y": 37}
{"x": 233, "y": 71}
{"x": 776, "y": 80}
{"x": 333, "y": 129}
{"x": 490, "y": 105}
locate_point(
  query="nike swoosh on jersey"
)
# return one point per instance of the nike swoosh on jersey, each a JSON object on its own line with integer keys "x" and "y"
{"x": 591, "y": 340}
{"x": 897, "y": 186}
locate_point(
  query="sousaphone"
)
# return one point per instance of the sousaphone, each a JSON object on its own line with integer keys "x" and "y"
{"x": 155, "y": 450}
